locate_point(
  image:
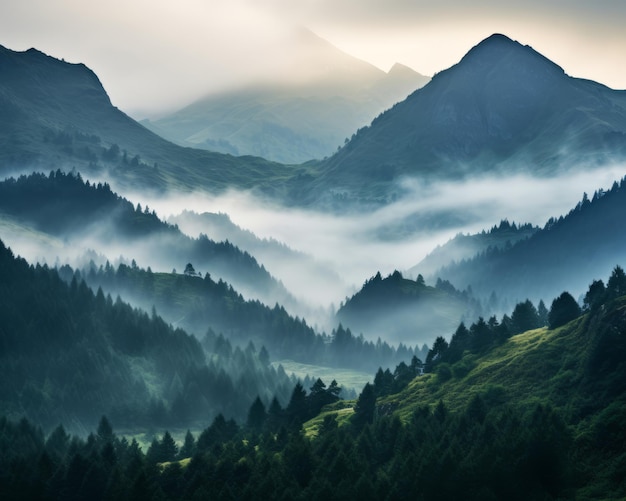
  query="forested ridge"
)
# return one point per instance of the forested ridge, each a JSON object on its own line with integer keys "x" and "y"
{"x": 402, "y": 309}
{"x": 201, "y": 304}
{"x": 536, "y": 266}
{"x": 64, "y": 205}
{"x": 69, "y": 355}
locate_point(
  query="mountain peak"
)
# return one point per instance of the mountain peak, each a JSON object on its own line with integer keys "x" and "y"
{"x": 499, "y": 49}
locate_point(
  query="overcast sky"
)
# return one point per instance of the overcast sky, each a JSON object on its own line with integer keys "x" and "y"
{"x": 152, "y": 55}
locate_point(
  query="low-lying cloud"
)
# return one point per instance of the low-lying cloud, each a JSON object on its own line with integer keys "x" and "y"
{"x": 397, "y": 236}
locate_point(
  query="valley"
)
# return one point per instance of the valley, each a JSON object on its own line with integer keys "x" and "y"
{"x": 379, "y": 320}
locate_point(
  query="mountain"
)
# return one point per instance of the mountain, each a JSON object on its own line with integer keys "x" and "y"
{"x": 589, "y": 240}
{"x": 503, "y": 109}
{"x": 70, "y": 355}
{"x": 56, "y": 114}
{"x": 405, "y": 311}
{"x": 325, "y": 98}
{"x": 466, "y": 246}
{"x": 83, "y": 216}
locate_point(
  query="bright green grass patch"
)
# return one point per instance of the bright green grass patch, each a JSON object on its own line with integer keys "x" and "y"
{"x": 342, "y": 410}
{"x": 537, "y": 366}
{"x": 183, "y": 463}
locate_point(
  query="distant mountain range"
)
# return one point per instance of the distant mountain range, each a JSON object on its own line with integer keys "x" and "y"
{"x": 57, "y": 115}
{"x": 504, "y": 108}
{"x": 293, "y": 121}
{"x": 466, "y": 246}
{"x": 306, "y": 277}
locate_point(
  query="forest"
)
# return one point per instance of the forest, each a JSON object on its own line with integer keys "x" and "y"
{"x": 385, "y": 445}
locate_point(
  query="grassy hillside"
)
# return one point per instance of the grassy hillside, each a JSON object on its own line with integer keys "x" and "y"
{"x": 576, "y": 373}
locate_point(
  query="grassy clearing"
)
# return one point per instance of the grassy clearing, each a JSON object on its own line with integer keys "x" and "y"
{"x": 144, "y": 437}
{"x": 342, "y": 411}
{"x": 349, "y": 379}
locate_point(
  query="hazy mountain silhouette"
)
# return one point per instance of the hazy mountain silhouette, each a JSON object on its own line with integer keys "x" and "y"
{"x": 405, "y": 311}
{"x": 325, "y": 98}
{"x": 466, "y": 246}
{"x": 56, "y": 112}
{"x": 590, "y": 240}
{"x": 88, "y": 216}
{"x": 503, "y": 108}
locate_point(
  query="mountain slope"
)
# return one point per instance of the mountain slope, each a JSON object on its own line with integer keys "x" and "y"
{"x": 503, "y": 108}
{"x": 293, "y": 121}
{"x": 590, "y": 239}
{"x": 56, "y": 112}
{"x": 86, "y": 216}
{"x": 467, "y": 246}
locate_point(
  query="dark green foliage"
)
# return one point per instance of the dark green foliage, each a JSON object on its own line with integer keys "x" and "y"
{"x": 256, "y": 415}
{"x": 554, "y": 258}
{"x": 71, "y": 356}
{"x": 524, "y": 317}
{"x": 564, "y": 308}
{"x": 365, "y": 407}
{"x": 490, "y": 448}
{"x": 64, "y": 205}
{"x": 201, "y": 302}
{"x": 188, "y": 448}
{"x": 595, "y": 295}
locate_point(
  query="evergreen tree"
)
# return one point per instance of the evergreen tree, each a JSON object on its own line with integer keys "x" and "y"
{"x": 525, "y": 317}
{"x": 595, "y": 295}
{"x": 167, "y": 448}
{"x": 365, "y": 407}
{"x": 256, "y": 415}
{"x": 297, "y": 410}
{"x": 188, "y": 448}
{"x": 564, "y": 308}
{"x": 616, "y": 286}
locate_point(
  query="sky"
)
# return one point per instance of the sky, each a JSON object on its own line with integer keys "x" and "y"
{"x": 154, "y": 56}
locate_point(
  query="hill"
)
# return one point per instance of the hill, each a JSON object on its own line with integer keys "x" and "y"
{"x": 87, "y": 217}
{"x": 306, "y": 277}
{"x": 589, "y": 239}
{"x": 503, "y": 109}
{"x": 58, "y": 113}
{"x": 200, "y": 305}
{"x": 534, "y": 416}
{"x": 70, "y": 355}
{"x": 292, "y": 121}
{"x": 405, "y": 311}
{"x": 466, "y": 246}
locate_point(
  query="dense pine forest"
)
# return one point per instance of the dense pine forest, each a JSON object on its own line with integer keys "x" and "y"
{"x": 70, "y": 355}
